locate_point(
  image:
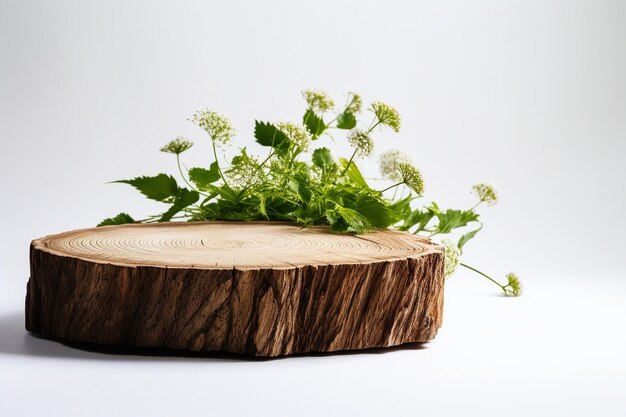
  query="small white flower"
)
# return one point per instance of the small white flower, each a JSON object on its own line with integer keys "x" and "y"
{"x": 486, "y": 193}
{"x": 318, "y": 100}
{"x": 219, "y": 128}
{"x": 452, "y": 256}
{"x": 412, "y": 177}
{"x": 361, "y": 141}
{"x": 296, "y": 133}
{"x": 387, "y": 115}
{"x": 388, "y": 164}
{"x": 245, "y": 171}
{"x": 355, "y": 103}
{"x": 513, "y": 283}
{"x": 177, "y": 146}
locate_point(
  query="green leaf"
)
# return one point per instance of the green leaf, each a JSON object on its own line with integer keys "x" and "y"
{"x": 402, "y": 208}
{"x": 452, "y": 219}
{"x": 262, "y": 204}
{"x": 467, "y": 237}
{"x": 300, "y": 186}
{"x": 354, "y": 174}
{"x": 374, "y": 210}
{"x": 344, "y": 219}
{"x": 171, "y": 212}
{"x": 184, "y": 198}
{"x": 121, "y": 218}
{"x": 419, "y": 218}
{"x": 187, "y": 197}
{"x": 314, "y": 123}
{"x": 159, "y": 188}
{"x": 322, "y": 158}
{"x": 346, "y": 120}
{"x": 202, "y": 177}
{"x": 227, "y": 194}
{"x": 267, "y": 134}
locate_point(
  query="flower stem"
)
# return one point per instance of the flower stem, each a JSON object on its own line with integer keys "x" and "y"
{"x": 476, "y": 205}
{"x": 395, "y": 185}
{"x": 486, "y": 276}
{"x": 348, "y": 164}
{"x": 373, "y": 126}
{"x": 180, "y": 170}
{"x": 218, "y": 166}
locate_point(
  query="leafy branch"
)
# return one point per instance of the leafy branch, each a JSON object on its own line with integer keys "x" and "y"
{"x": 299, "y": 182}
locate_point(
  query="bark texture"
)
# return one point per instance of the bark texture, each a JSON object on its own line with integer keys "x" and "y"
{"x": 264, "y": 289}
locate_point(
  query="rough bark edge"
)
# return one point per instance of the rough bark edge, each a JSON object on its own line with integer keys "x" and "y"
{"x": 263, "y": 312}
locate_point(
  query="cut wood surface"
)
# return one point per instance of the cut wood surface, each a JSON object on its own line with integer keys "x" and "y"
{"x": 259, "y": 288}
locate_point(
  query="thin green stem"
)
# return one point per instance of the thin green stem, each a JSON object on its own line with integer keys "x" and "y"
{"x": 373, "y": 127}
{"x": 395, "y": 185}
{"x": 350, "y": 103}
{"x": 476, "y": 205}
{"x": 180, "y": 170}
{"x": 502, "y": 287}
{"x": 354, "y": 153}
{"x": 348, "y": 164}
{"x": 218, "y": 166}
{"x": 155, "y": 218}
{"x": 264, "y": 161}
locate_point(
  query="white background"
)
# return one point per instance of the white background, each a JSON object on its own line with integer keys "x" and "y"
{"x": 528, "y": 95}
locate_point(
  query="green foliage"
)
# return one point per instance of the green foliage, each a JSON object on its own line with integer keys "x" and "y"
{"x": 354, "y": 175}
{"x": 452, "y": 219}
{"x": 417, "y": 217}
{"x": 203, "y": 178}
{"x": 378, "y": 214}
{"x": 184, "y": 198}
{"x": 283, "y": 185}
{"x": 314, "y": 123}
{"x": 160, "y": 187}
{"x": 346, "y": 120}
{"x": 467, "y": 237}
{"x": 121, "y": 218}
{"x": 322, "y": 158}
{"x": 267, "y": 134}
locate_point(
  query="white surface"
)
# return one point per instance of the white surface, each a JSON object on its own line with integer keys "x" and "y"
{"x": 557, "y": 351}
{"x": 529, "y": 95}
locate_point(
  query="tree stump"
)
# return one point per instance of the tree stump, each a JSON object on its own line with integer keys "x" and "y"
{"x": 258, "y": 288}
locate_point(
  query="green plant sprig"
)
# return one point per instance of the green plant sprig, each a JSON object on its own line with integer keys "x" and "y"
{"x": 306, "y": 186}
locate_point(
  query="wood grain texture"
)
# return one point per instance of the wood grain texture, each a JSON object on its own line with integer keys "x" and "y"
{"x": 258, "y": 288}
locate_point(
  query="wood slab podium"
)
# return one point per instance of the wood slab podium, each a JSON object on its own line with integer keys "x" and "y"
{"x": 257, "y": 288}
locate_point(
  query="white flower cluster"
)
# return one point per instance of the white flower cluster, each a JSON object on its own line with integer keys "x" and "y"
{"x": 514, "y": 284}
{"x": 486, "y": 193}
{"x": 219, "y": 128}
{"x": 412, "y": 177}
{"x": 388, "y": 164}
{"x": 355, "y": 103}
{"x": 318, "y": 100}
{"x": 361, "y": 141}
{"x": 296, "y": 133}
{"x": 387, "y": 115}
{"x": 452, "y": 256}
{"x": 245, "y": 171}
{"x": 177, "y": 146}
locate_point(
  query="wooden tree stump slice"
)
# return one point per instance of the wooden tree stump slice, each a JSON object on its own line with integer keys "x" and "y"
{"x": 259, "y": 288}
